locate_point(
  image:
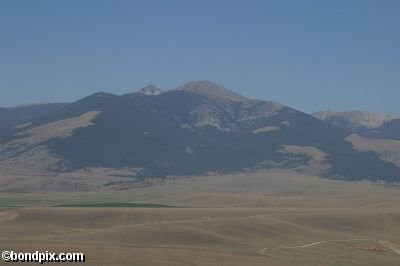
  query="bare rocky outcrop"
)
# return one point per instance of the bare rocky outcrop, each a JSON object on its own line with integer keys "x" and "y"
{"x": 150, "y": 90}
{"x": 354, "y": 118}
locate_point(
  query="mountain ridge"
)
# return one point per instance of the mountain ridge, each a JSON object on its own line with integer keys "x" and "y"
{"x": 356, "y": 118}
{"x": 10, "y": 116}
{"x": 211, "y": 90}
{"x": 184, "y": 132}
{"x": 367, "y": 124}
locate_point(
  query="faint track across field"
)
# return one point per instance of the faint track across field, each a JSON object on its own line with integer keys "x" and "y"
{"x": 390, "y": 246}
{"x": 381, "y": 242}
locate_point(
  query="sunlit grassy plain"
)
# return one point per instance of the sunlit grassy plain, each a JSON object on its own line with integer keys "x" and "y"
{"x": 238, "y": 219}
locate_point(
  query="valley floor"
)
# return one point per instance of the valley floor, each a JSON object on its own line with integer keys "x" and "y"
{"x": 269, "y": 218}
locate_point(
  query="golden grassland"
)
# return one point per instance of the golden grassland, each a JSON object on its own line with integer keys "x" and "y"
{"x": 277, "y": 217}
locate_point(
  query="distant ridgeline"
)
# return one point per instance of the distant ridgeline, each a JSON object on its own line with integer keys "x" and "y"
{"x": 197, "y": 128}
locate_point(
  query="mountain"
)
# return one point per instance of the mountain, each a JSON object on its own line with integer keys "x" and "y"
{"x": 364, "y": 123}
{"x": 150, "y": 90}
{"x": 388, "y": 130}
{"x": 211, "y": 91}
{"x": 354, "y": 118}
{"x": 15, "y": 115}
{"x": 195, "y": 129}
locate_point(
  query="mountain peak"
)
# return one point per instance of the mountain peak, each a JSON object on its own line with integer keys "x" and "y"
{"x": 356, "y": 118}
{"x": 150, "y": 90}
{"x": 101, "y": 94}
{"x": 212, "y": 91}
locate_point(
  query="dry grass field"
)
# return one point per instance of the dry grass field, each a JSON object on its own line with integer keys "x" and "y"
{"x": 276, "y": 217}
{"x": 387, "y": 149}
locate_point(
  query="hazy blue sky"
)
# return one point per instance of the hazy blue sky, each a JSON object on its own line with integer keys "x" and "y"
{"x": 310, "y": 55}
